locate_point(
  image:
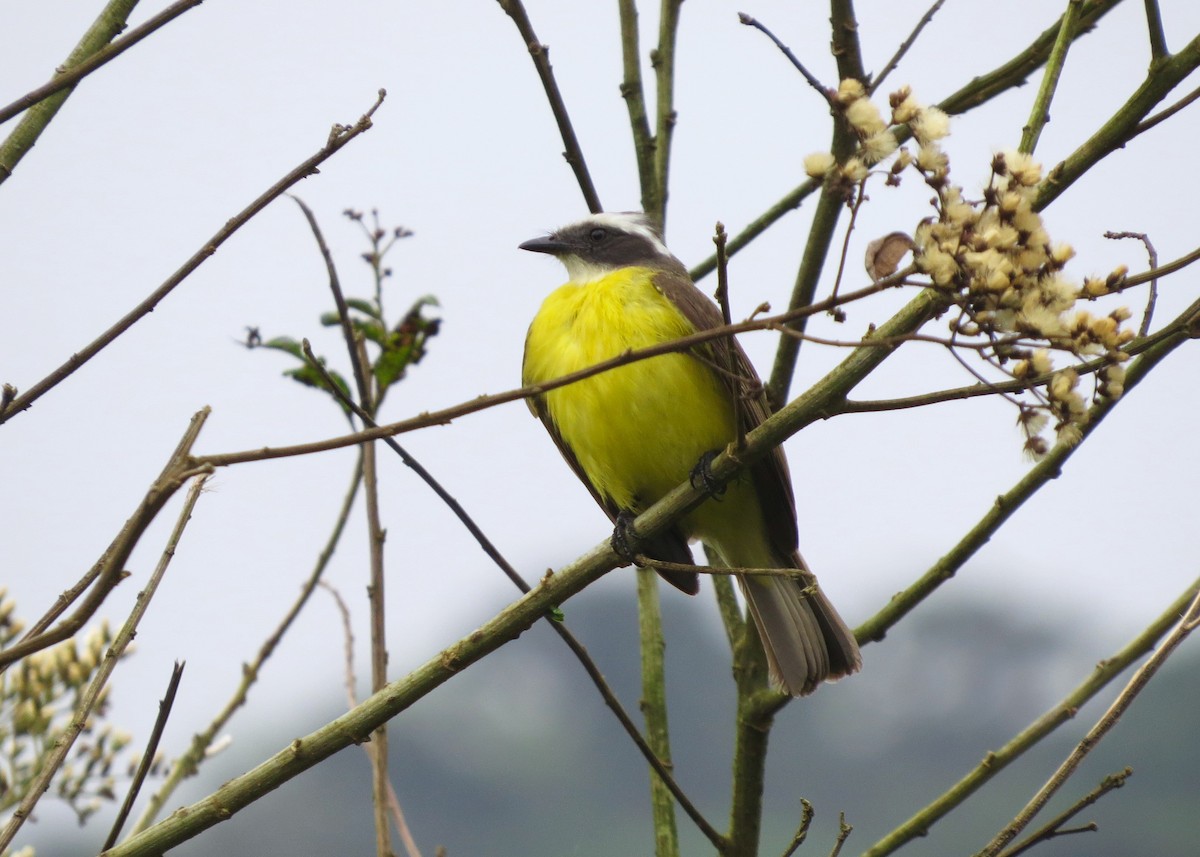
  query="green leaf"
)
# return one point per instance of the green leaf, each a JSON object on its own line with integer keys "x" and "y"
{"x": 310, "y": 377}
{"x": 286, "y": 344}
{"x": 367, "y": 308}
{"x": 390, "y": 366}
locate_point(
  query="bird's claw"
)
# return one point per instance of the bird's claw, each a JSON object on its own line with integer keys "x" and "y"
{"x": 624, "y": 537}
{"x": 702, "y": 476}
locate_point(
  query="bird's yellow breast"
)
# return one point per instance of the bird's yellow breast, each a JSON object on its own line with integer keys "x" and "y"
{"x": 638, "y": 430}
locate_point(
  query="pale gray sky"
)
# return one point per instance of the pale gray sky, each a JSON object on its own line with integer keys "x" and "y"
{"x": 152, "y": 154}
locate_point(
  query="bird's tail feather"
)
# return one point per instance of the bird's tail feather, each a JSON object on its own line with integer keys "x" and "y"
{"x": 805, "y": 639}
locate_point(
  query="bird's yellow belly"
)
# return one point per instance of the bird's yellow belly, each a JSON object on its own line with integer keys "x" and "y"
{"x": 638, "y": 430}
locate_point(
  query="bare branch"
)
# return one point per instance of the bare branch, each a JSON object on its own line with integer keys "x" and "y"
{"x": 1106, "y": 671}
{"x": 1055, "y": 828}
{"x": 1102, "y": 727}
{"x": 540, "y": 54}
{"x": 93, "y": 694}
{"x": 68, "y": 77}
{"x": 160, "y": 722}
{"x": 338, "y": 138}
{"x": 907, "y": 44}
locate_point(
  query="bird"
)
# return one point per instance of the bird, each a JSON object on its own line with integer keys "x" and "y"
{"x": 633, "y": 433}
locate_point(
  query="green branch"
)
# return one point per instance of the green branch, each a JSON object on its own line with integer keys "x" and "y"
{"x": 654, "y": 709}
{"x": 104, "y": 29}
{"x": 1123, "y": 126}
{"x": 635, "y": 102}
{"x": 994, "y": 762}
{"x": 1040, "y": 114}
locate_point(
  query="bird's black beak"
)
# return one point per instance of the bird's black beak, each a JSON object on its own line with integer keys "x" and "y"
{"x": 550, "y": 244}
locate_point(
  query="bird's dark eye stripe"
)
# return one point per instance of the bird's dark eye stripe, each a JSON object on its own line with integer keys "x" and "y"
{"x": 598, "y": 234}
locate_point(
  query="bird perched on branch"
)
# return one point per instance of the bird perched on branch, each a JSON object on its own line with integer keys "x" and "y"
{"x": 635, "y": 432}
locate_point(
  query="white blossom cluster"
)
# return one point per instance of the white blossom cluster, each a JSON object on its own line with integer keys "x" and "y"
{"x": 995, "y": 262}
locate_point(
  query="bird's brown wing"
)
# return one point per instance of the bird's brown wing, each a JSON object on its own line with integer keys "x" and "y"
{"x": 772, "y": 480}
{"x": 670, "y": 545}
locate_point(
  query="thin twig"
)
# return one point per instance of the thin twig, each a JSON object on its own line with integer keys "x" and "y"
{"x": 540, "y": 54}
{"x": 798, "y": 574}
{"x": 1055, "y": 828}
{"x": 1102, "y": 727}
{"x": 188, "y": 763}
{"x": 109, "y": 570}
{"x": 95, "y": 689}
{"x": 144, "y": 764}
{"x": 1152, "y": 298}
{"x": 361, "y": 378}
{"x": 806, "y": 817}
{"x": 844, "y": 831}
{"x": 722, "y": 293}
{"x": 1166, "y": 113}
{"x": 816, "y": 84}
{"x": 891, "y": 64}
{"x": 393, "y": 800}
{"x": 446, "y": 415}
{"x": 70, "y": 76}
{"x": 338, "y": 138}
{"x": 993, "y": 763}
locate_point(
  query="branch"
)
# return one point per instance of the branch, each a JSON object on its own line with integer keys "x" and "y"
{"x": 553, "y": 589}
{"x": 1040, "y": 113}
{"x": 540, "y": 54}
{"x": 160, "y": 722}
{"x": 339, "y": 136}
{"x": 979, "y": 91}
{"x": 1105, "y": 671}
{"x": 17, "y": 145}
{"x": 907, "y": 44}
{"x": 654, "y": 708}
{"x": 393, "y": 800}
{"x": 663, "y": 60}
{"x": 1054, "y": 827}
{"x": 446, "y": 415}
{"x": 816, "y": 84}
{"x": 1154, "y": 26}
{"x": 635, "y": 102}
{"x": 188, "y": 763}
{"x": 875, "y": 628}
{"x": 1188, "y": 623}
{"x": 95, "y": 690}
{"x": 109, "y": 570}
{"x": 1124, "y": 124}
{"x": 68, "y": 77}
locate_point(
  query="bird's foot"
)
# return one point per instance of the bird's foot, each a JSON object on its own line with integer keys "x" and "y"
{"x": 702, "y": 476}
{"x": 625, "y": 537}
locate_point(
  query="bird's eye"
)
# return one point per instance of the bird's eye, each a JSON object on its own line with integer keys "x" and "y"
{"x": 598, "y": 234}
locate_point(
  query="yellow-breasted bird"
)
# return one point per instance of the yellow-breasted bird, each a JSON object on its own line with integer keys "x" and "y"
{"x": 635, "y": 432}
